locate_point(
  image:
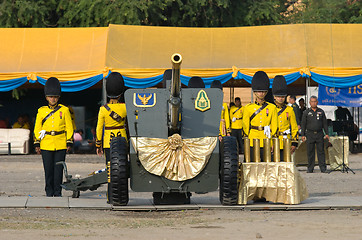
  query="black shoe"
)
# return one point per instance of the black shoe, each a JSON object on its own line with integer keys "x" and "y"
{"x": 260, "y": 200}
{"x": 309, "y": 171}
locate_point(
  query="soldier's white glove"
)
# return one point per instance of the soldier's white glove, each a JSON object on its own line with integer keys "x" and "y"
{"x": 234, "y": 119}
{"x": 267, "y": 131}
{"x": 285, "y": 133}
{"x": 42, "y": 134}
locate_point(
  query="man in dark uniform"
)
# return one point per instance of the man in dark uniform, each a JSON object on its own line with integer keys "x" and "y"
{"x": 302, "y": 107}
{"x": 314, "y": 122}
{"x": 296, "y": 109}
{"x": 343, "y": 114}
{"x": 53, "y": 137}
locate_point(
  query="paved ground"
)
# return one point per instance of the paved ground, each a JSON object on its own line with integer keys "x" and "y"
{"x": 331, "y": 212}
{"x": 22, "y": 184}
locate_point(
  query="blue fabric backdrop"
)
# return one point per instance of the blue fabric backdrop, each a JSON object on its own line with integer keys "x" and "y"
{"x": 79, "y": 85}
{"x": 9, "y": 85}
{"x": 290, "y": 78}
{"x": 338, "y": 82}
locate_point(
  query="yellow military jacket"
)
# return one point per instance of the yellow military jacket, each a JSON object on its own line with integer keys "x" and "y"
{"x": 105, "y": 120}
{"x": 236, "y": 116}
{"x": 266, "y": 117}
{"x": 24, "y": 126}
{"x": 58, "y": 122}
{"x": 287, "y": 121}
{"x": 225, "y": 121}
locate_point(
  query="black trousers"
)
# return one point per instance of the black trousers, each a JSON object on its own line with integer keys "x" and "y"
{"x": 239, "y": 138}
{"x": 316, "y": 139}
{"x": 107, "y": 152}
{"x": 53, "y": 172}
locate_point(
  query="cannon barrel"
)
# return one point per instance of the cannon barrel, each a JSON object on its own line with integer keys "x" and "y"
{"x": 175, "y": 100}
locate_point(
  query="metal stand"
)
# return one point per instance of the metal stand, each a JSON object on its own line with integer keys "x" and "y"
{"x": 342, "y": 167}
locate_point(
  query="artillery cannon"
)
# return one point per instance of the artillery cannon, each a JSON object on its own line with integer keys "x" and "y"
{"x": 173, "y": 147}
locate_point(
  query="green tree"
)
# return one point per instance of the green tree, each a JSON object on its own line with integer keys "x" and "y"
{"x": 186, "y": 13}
{"x": 27, "y": 13}
{"x": 330, "y": 11}
{"x": 99, "y": 13}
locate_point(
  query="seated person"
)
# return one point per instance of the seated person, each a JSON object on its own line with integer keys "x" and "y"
{"x": 22, "y": 123}
{"x": 78, "y": 138}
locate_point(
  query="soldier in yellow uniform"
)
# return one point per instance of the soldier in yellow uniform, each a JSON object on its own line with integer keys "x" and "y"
{"x": 236, "y": 116}
{"x": 287, "y": 123}
{"x": 224, "y": 129}
{"x": 53, "y": 134}
{"x": 111, "y": 120}
{"x": 259, "y": 118}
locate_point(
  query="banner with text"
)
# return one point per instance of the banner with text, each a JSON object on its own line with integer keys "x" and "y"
{"x": 345, "y": 97}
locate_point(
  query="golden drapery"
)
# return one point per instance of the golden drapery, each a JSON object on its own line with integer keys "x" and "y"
{"x": 174, "y": 158}
{"x": 276, "y": 182}
{"x": 335, "y": 153}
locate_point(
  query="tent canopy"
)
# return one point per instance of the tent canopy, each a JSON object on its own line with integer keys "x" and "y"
{"x": 80, "y": 57}
{"x": 55, "y": 51}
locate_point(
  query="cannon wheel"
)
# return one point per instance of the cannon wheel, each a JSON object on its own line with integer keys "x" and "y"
{"x": 119, "y": 171}
{"x": 229, "y": 171}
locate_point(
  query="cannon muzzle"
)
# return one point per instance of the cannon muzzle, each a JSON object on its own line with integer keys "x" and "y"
{"x": 175, "y": 100}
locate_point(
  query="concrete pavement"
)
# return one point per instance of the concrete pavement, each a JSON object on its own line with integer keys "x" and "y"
{"x": 198, "y": 202}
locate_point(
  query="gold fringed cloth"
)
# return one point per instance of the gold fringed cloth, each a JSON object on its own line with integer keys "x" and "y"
{"x": 174, "y": 158}
{"x": 338, "y": 152}
{"x": 278, "y": 182}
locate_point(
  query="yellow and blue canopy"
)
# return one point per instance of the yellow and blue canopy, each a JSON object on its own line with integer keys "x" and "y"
{"x": 80, "y": 57}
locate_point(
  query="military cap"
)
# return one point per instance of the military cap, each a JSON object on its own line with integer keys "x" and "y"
{"x": 279, "y": 86}
{"x": 260, "y": 81}
{"x": 216, "y": 84}
{"x": 52, "y": 87}
{"x": 114, "y": 85}
{"x": 196, "y": 82}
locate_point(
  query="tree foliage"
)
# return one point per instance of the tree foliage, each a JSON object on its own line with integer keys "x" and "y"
{"x": 187, "y": 13}
{"x": 330, "y": 11}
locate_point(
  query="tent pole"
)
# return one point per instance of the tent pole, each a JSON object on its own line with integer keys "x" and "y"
{"x": 306, "y": 91}
{"x": 104, "y": 94}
